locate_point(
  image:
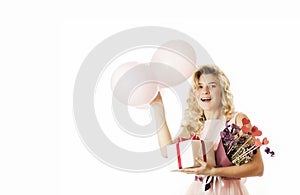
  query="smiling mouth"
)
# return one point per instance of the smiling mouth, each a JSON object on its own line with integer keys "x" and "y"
{"x": 205, "y": 99}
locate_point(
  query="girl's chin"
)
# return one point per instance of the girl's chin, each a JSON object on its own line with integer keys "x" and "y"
{"x": 205, "y": 105}
{"x": 209, "y": 108}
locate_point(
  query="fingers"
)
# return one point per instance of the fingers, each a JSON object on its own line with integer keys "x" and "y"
{"x": 157, "y": 99}
{"x": 199, "y": 160}
{"x": 188, "y": 170}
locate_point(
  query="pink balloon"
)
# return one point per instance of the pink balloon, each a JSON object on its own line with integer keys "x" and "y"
{"x": 137, "y": 84}
{"x": 142, "y": 95}
{"x": 134, "y": 84}
{"x": 176, "y": 56}
{"x": 120, "y": 71}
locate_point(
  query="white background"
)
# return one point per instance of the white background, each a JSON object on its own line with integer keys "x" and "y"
{"x": 42, "y": 47}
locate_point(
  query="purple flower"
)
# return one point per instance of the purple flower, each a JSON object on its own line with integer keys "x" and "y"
{"x": 235, "y": 127}
{"x": 268, "y": 151}
{"x": 231, "y": 143}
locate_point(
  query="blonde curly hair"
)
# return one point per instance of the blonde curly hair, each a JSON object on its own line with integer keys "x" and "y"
{"x": 194, "y": 117}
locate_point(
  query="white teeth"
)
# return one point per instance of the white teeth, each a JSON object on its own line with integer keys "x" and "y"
{"x": 205, "y": 99}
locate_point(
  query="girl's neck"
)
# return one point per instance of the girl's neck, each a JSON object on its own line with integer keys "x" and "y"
{"x": 213, "y": 115}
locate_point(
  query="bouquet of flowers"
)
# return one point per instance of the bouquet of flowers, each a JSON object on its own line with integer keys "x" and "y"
{"x": 241, "y": 144}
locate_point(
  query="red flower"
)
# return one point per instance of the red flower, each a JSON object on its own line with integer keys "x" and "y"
{"x": 257, "y": 142}
{"x": 255, "y": 131}
{"x": 245, "y": 129}
{"x": 245, "y": 121}
{"x": 265, "y": 141}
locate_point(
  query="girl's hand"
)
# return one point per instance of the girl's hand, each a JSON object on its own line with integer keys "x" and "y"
{"x": 157, "y": 99}
{"x": 202, "y": 169}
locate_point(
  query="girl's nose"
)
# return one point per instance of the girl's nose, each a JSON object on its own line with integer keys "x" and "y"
{"x": 205, "y": 90}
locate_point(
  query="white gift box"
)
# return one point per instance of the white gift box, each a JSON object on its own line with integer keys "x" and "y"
{"x": 186, "y": 150}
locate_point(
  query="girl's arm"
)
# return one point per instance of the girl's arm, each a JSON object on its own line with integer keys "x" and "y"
{"x": 252, "y": 168}
{"x": 158, "y": 111}
{"x": 163, "y": 132}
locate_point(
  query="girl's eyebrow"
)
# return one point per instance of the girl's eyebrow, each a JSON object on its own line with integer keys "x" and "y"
{"x": 208, "y": 83}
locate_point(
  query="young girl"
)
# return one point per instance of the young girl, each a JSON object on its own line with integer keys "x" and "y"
{"x": 210, "y": 101}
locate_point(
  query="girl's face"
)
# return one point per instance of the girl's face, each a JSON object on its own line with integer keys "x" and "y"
{"x": 208, "y": 92}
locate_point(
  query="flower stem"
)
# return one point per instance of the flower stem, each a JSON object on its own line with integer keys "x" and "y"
{"x": 242, "y": 146}
{"x": 229, "y": 149}
{"x": 243, "y": 155}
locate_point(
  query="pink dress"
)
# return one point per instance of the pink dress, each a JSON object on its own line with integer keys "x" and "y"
{"x": 219, "y": 185}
